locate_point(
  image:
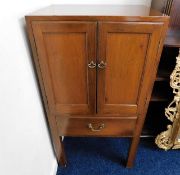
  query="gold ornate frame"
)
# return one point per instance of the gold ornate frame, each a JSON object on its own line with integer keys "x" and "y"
{"x": 169, "y": 139}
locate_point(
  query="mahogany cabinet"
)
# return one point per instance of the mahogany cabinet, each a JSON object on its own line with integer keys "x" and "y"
{"x": 96, "y": 67}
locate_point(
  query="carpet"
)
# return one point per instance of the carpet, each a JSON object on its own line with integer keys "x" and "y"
{"x": 107, "y": 156}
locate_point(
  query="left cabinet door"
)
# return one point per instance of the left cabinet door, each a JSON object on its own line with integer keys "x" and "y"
{"x": 64, "y": 51}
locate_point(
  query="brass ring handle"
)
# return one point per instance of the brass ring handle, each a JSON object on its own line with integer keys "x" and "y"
{"x": 92, "y": 65}
{"x": 101, "y": 126}
{"x": 102, "y": 65}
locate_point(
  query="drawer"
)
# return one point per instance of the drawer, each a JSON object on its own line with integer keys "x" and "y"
{"x": 94, "y": 126}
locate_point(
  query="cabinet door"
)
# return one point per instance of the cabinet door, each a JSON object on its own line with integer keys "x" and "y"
{"x": 129, "y": 51}
{"x": 64, "y": 51}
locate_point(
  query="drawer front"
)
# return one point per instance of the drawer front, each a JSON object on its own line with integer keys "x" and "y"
{"x": 92, "y": 126}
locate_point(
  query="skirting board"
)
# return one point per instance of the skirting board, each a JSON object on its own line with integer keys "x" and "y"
{"x": 55, "y": 167}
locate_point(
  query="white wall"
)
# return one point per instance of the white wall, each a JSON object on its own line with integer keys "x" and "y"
{"x": 25, "y": 147}
{"x": 141, "y": 2}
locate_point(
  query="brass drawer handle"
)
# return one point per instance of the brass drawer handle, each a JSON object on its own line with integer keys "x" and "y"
{"x": 102, "y": 65}
{"x": 92, "y": 65}
{"x": 101, "y": 126}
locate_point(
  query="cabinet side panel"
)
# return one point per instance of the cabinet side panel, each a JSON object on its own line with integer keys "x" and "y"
{"x": 51, "y": 119}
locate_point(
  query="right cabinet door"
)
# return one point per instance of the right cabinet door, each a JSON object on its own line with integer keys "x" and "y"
{"x": 127, "y": 62}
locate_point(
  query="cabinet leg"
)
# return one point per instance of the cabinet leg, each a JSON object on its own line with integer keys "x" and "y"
{"x": 57, "y": 141}
{"x": 132, "y": 152}
{"x": 62, "y": 159}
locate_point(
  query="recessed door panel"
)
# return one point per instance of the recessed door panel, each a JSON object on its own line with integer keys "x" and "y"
{"x": 124, "y": 66}
{"x": 128, "y": 51}
{"x": 66, "y": 84}
{"x": 65, "y": 50}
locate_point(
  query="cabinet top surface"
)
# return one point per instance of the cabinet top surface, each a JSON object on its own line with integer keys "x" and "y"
{"x": 96, "y": 10}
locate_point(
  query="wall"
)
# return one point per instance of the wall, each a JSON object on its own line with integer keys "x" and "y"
{"x": 159, "y": 5}
{"x": 142, "y": 2}
{"x": 25, "y": 147}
